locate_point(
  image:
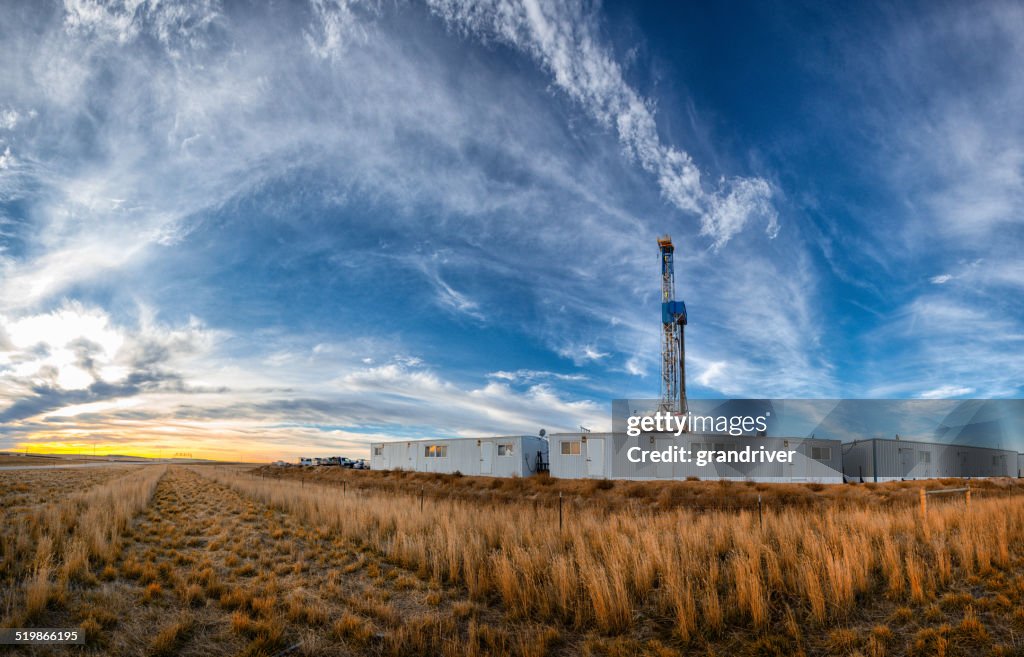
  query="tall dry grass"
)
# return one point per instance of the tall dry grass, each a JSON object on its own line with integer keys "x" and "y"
{"x": 661, "y": 495}
{"x": 59, "y": 543}
{"x": 704, "y": 571}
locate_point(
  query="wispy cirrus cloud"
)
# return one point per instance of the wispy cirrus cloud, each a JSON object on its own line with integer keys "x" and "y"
{"x": 564, "y": 38}
{"x": 529, "y": 376}
{"x": 946, "y": 156}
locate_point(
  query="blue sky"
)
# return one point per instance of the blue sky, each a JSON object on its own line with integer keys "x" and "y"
{"x": 238, "y": 230}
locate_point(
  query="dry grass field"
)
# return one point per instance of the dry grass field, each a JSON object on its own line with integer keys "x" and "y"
{"x": 56, "y": 525}
{"x": 24, "y": 489}
{"x": 604, "y": 494}
{"x": 39, "y": 460}
{"x": 226, "y": 561}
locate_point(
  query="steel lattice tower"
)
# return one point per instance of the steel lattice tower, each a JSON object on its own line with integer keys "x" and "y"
{"x": 673, "y": 345}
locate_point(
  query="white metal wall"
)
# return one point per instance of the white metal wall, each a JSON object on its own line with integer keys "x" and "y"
{"x": 470, "y": 456}
{"x": 896, "y": 459}
{"x": 909, "y": 459}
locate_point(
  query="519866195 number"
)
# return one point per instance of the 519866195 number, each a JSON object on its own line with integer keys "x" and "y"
{"x": 15, "y": 636}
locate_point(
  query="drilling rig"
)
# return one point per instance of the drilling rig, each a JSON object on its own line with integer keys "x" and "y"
{"x": 673, "y": 345}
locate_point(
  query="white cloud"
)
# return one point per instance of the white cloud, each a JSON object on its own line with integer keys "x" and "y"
{"x": 581, "y": 354}
{"x": 941, "y": 279}
{"x": 336, "y": 24}
{"x": 634, "y": 366}
{"x": 946, "y": 336}
{"x": 174, "y": 24}
{"x": 526, "y": 375}
{"x": 712, "y": 373}
{"x": 729, "y": 212}
{"x": 95, "y": 407}
{"x": 450, "y": 298}
{"x": 48, "y": 348}
{"x": 110, "y": 20}
{"x": 946, "y": 392}
{"x": 9, "y": 119}
{"x": 75, "y": 346}
{"x": 947, "y": 141}
{"x": 565, "y": 40}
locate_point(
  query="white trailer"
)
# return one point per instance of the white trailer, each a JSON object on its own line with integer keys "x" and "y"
{"x": 883, "y": 459}
{"x": 494, "y": 456}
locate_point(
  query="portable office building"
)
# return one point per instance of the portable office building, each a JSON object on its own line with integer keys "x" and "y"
{"x": 498, "y": 456}
{"x": 883, "y": 459}
{"x": 607, "y": 456}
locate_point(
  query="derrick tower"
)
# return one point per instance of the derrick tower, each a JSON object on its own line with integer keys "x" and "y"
{"x": 673, "y": 345}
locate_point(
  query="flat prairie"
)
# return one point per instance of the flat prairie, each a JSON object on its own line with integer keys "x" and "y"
{"x": 208, "y": 560}
{"x": 35, "y": 460}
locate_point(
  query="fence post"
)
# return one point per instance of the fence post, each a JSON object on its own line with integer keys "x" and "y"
{"x": 559, "y": 511}
{"x": 924, "y": 506}
{"x": 421, "y": 498}
{"x": 760, "y": 515}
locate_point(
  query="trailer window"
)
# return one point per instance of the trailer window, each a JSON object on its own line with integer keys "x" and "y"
{"x": 378, "y": 451}
{"x": 435, "y": 451}
{"x": 924, "y": 457}
{"x": 821, "y": 453}
{"x": 996, "y": 460}
{"x": 696, "y": 447}
{"x": 504, "y": 449}
{"x": 571, "y": 447}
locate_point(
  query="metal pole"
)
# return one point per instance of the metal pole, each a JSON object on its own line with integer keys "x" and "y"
{"x": 924, "y": 506}
{"x": 682, "y": 370}
{"x": 421, "y": 498}
{"x": 760, "y": 515}
{"x": 559, "y": 511}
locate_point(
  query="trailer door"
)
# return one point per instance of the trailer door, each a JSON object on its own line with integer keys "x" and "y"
{"x": 906, "y": 461}
{"x": 486, "y": 457}
{"x": 595, "y": 457}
